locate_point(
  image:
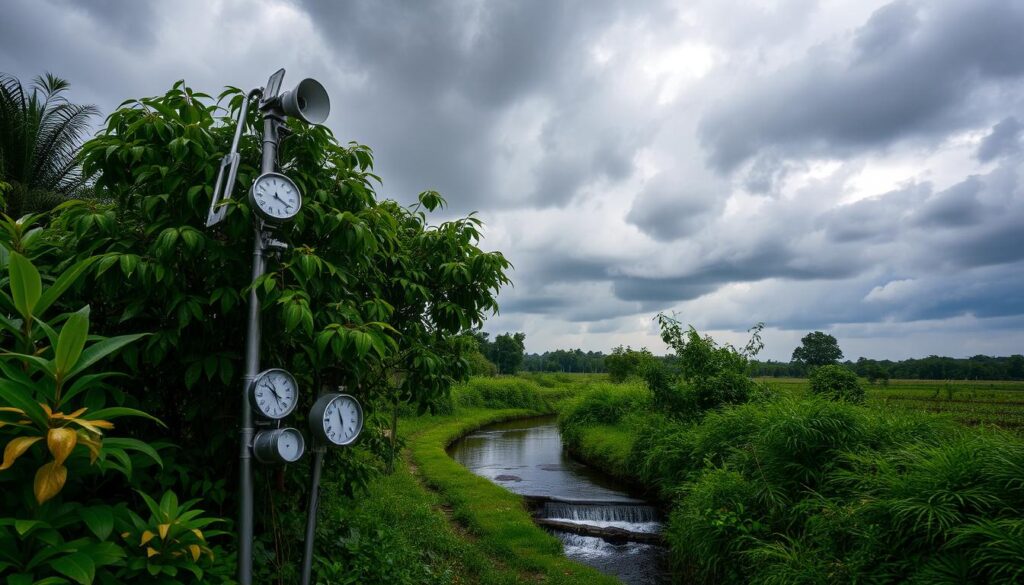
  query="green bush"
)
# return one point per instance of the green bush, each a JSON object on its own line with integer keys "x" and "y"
{"x": 625, "y": 362}
{"x": 836, "y": 383}
{"x": 605, "y": 404}
{"x": 59, "y": 518}
{"x": 498, "y": 393}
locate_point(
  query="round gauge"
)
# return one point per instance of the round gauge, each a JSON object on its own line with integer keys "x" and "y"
{"x": 274, "y": 393}
{"x": 336, "y": 419}
{"x": 275, "y": 197}
{"x": 279, "y": 446}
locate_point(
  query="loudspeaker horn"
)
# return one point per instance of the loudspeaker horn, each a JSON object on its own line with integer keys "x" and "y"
{"x": 308, "y": 102}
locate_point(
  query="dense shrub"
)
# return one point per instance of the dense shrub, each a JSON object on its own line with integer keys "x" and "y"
{"x": 820, "y": 490}
{"x": 496, "y": 393}
{"x": 624, "y": 362}
{"x": 836, "y": 383}
{"x": 606, "y": 404}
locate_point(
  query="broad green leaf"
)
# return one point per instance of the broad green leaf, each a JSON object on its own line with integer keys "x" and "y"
{"x": 42, "y": 363}
{"x": 71, "y": 341}
{"x": 99, "y": 519}
{"x": 85, "y": 383}
{"x": 117, "y": 412}
{"x": 100, "y": 350}
{"x": 25, "y": 526}
{"x": 63, "y": 282}
{"x": 26, "y": 286}
{"x": 20, "y": 396}
{"x": 134, "y": 445}
{"x": 77, "y": 566}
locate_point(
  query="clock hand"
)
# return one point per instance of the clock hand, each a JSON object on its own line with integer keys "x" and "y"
{"x": 282, "y": 200}
{"x": 273, "y": 388}
{"x": 337, "y": 416}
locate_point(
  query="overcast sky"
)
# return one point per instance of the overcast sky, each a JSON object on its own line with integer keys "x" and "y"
{"x": 849, "y": 166}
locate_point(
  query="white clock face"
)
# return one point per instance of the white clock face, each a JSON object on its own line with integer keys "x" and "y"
{"x": 275, "y": 394}
{"x": 343, "y": 419}
{"x": 289, "y": 445}
{"x": 276, "y": 196}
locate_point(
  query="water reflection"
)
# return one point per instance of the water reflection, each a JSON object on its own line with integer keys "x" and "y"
{"x": 527, "y": 457}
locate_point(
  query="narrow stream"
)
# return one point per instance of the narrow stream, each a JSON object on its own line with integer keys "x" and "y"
{"x": 527, "y": 457}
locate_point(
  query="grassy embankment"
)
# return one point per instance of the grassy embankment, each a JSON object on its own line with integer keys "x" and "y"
{"x": 432, "y": 521}
{"x": 796, "y": 490}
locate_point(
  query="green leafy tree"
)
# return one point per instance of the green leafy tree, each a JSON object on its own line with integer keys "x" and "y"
{"x": 370, "y": 294}
{"x": 40, "y": 134}
{"x": 711, "y": 375}
{"x": 507, "y": 352}
{"x": 624, "y": 362}
{"x": 837, "y": 383}
{"x": 817, "y": 349}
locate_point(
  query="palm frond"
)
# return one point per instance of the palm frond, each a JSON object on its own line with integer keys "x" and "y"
{"x": 41, "y": 133}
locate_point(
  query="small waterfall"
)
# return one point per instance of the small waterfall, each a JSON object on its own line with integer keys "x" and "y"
{"x": 602, "y": 513}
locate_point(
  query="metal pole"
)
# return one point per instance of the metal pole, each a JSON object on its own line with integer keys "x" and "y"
{"x": 314, "y": 506}
{"x": 252, "y": 367}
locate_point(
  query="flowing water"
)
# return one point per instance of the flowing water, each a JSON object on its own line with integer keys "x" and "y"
{"x": 527, "y": 457}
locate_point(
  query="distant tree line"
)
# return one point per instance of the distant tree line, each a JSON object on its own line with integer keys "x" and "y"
{"x": 816, "y": 349}
{"x": 566, "y": 360}
{"x": 979, "y": 367}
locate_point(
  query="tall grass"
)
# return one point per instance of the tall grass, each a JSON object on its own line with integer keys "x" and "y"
{"x": 797, "y": 490}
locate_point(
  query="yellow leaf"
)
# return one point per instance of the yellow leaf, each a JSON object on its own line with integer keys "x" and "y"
{"x": 146, "y": 537}
{"x": 50, "y": 479}
{"x": 91, "y": 425}
{"x": 92, "y": 444}
{"x": 163, "y": 528}
{"x": 61, "y": 442}
{"x": 151, "y": 552}
{"x": 11, "y": 409}
{"x": 47, "y": 409}
{"x": 125, "y": 535}
{"x": 199, "y": 534}
{"x": 194, "y": 549}
{"x": 16, "y": 448}
{"x": 77, "y": 413}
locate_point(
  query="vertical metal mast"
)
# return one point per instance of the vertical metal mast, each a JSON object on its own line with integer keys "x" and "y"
{"x": 268, "y": 164}
{"x": 308, "y": 102}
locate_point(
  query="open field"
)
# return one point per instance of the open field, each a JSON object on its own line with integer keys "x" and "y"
{"x": 973, "y": 402}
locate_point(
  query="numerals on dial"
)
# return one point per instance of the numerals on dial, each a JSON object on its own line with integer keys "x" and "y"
{"x": 274, "y": 393}
{"x": 337, "y": 419}
{"x": 275, "y": 197}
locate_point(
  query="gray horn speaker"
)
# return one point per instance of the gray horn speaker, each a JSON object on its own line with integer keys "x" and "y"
{"x": 308, "y": 102}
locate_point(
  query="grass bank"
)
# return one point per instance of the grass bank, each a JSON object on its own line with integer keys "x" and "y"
{"x": 433, "y": 521}
{"x": 798, "y": 490}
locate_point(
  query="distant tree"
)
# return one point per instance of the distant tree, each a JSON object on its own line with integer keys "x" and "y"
{"x": 817, "y": 349}
{"x": 479, "y": 365}
{"x": 40, "y": 136}
{"x": 875, "y": 374}
{"x": 507, "y": 352}
{"x": 1015, "y": 367}
{"x": 836, "y": 383}
{"x": 625, "y": 362}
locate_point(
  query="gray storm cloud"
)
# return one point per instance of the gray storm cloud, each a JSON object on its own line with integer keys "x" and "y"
{"x": 849, "y": 164}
